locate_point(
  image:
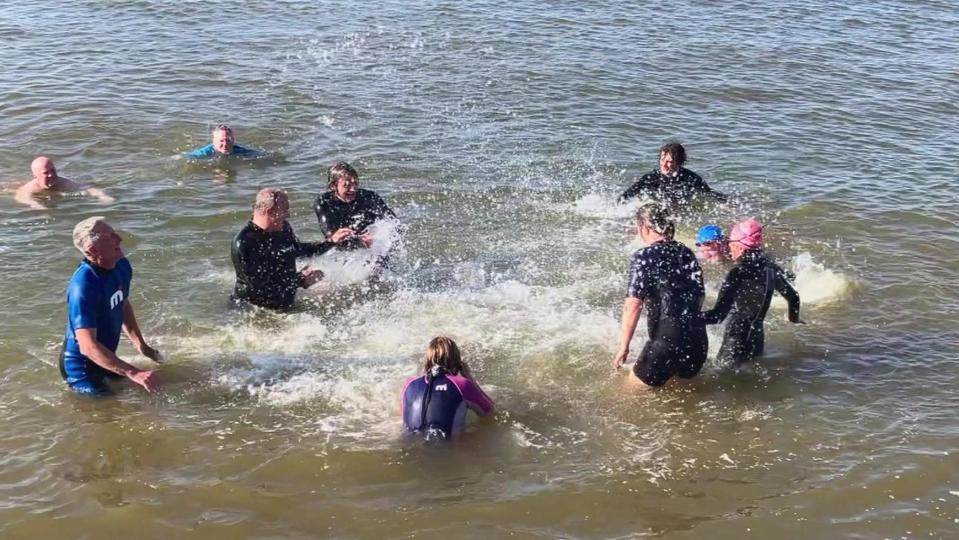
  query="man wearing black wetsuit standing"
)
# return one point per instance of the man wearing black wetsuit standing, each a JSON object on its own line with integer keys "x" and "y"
{"x": 672, "y": 184}
{"x": 666, "y": 279}
{"x": 264, "y": 254}
{"x": 746, "y": 294}
{"x": 345, "y": 205}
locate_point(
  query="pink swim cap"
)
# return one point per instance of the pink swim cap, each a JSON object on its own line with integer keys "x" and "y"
{"x": 748, "y": 233}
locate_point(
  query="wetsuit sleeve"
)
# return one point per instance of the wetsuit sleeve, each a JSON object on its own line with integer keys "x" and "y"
{"x": 787, "y": 291}
{"x": 727, "y": 295}
{"x": 244, "y": 151}
{"x": 82, "y": 301}
{"x": 473, "y": 395}
{"x": 634, "y": 190}
{"x": 639, "y": 278}
{"x": 200, "y": 153}
{"x": 701, "y": 186}
{"x": 321, "y": 216}
{"x": 311, "y": 249}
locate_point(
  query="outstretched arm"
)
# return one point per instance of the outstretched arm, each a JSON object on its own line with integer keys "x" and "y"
{"x": 701, "y": 186}
{"x": 633, "y": 190}
{"x": 632, "y": 308}
{"x": 727, "y": 295}
{"x": 99, "y": 194}
{"x": 787, "y": 291}
{"x": 132, "y": 330}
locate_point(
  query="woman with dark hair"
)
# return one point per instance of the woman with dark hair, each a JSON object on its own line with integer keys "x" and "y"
{"x": 671, "y": 184}
{"x": 436, "y": 403}
{"x": 665, "y": 278}
{"x": 346, "y": 205}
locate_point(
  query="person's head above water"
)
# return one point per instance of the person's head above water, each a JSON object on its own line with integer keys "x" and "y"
{"x": 98, "y": 242}
{"x": 744, "y": 236}
{"x": 44, "y": 173}
{"x": 343, "y": 181}
{"x": 443, "y": 355}
{"x": 711, "y": 242}
{"x": 653, "y": 223}
{"x": 271, "y": 209}
{"x": 672, "y": 156}
{"x": 222, "y": 139}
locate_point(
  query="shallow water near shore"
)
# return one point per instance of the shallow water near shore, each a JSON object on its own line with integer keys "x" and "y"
{"x": 501, "y": 135}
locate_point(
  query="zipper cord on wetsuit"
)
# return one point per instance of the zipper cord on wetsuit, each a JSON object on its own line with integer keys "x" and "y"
{"x": 428, "y": 395}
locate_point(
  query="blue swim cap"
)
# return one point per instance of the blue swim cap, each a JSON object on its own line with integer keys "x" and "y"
{"x": 709, "y": 233}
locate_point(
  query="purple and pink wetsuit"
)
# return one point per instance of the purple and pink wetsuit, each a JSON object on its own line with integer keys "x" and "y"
{"x": 439, "y": 403}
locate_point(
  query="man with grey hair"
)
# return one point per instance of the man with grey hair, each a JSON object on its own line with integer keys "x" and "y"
{"x": 264, "y": 254}
{"x": 98, "y": 308}
{"x": 222, "y": 144}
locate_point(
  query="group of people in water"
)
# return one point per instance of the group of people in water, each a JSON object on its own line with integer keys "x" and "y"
{"x": 665, "y": 279}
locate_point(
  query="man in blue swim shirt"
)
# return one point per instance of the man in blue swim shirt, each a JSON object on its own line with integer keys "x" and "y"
{"x": 98, "y": 307}
{"x": 223, "y": 145}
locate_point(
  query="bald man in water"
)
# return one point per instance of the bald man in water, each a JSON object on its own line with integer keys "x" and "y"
{"x": 46, "y": 180}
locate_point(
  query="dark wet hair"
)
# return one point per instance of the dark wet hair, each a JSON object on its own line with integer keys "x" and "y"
{"x": 339, "y": 171}
{"x": 656, "y": 217}
{"x": 675, "y": 150}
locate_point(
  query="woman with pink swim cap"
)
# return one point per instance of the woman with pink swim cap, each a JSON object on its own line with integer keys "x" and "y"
{"x": 747, "y": 292}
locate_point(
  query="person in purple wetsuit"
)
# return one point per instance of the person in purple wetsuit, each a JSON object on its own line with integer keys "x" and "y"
{"x": 435, "y": 404}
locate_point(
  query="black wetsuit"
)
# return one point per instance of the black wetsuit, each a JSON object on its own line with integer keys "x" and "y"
{"x": 674, "y": 191}
{"x": 265, "y": 264}
{"x": 669, "y": 281}
{"x": 745, "y": 296}
{"x": 334, "y": 214}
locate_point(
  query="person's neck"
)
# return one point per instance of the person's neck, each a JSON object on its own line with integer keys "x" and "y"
{"x": 98, "y": 262}
{"x": 265, "y": 223}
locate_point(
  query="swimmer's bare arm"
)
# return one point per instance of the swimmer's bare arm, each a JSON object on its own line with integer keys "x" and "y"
{"x": 132, "y": 330}
{"x": 632, "y": 308}
{"x": 24, "y": 195}
{"x": 107, "y": 359}
{"x": 65, "y": 184}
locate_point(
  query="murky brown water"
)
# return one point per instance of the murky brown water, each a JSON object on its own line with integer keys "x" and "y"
{"x": 500, "y": 133}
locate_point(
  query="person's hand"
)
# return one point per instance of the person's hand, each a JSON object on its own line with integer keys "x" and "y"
{"x": 367, "y": 239}
{"x": 311, "y": 276}
{"x": 797, "y": 321}
{"x": 151, "y": 353}
{"x": 620, "y": 358}
{"x": 341, "y": 234}
{"x": 147, "y": 379}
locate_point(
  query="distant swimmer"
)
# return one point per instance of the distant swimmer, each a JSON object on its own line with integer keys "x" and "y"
{"x": 746, "y": 294}
{"x": 711, "y": 244}
{"x": 264, "y": 254}
{"x": 346, "y": 205}
{"x": 665, "y": 278}
{"x": 46, "y": 180}
{"x": 672, "y": 184}
{"x": 436, "y": 404}
{"x": 98, "y": 307}
{"x": 223, "y": 145}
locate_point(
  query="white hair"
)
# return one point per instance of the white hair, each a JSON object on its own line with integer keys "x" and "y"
{"x": 83, "y": 235}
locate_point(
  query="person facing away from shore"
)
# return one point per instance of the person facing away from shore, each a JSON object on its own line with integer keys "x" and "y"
{"x": 711, "y": 244}
{"x": 223, "y": 143}
{"x": 346, "y": 205}
{"x": 671, "y": 184}
{"x": 47, "y": 180}
{"x": 666, "y": 280}
{"x": 435, "y": 403}
{"x": 98, "y": 308}
{"x": 265, "y": 251}
{"x": 746, "y": 294}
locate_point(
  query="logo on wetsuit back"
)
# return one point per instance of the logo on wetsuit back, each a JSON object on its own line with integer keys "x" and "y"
{"x": 440, "y": 387}
{"x": 116, "y": 298}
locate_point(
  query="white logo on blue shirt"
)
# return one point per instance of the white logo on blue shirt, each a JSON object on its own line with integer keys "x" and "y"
{"x": 116, "y": 299}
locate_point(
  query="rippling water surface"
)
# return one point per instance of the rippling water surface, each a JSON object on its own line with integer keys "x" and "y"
{"x": 500, "y": 132}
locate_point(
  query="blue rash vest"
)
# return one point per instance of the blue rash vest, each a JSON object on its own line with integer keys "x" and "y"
{"x": 207, "y": 152}
{"x": 95, "y": 299}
